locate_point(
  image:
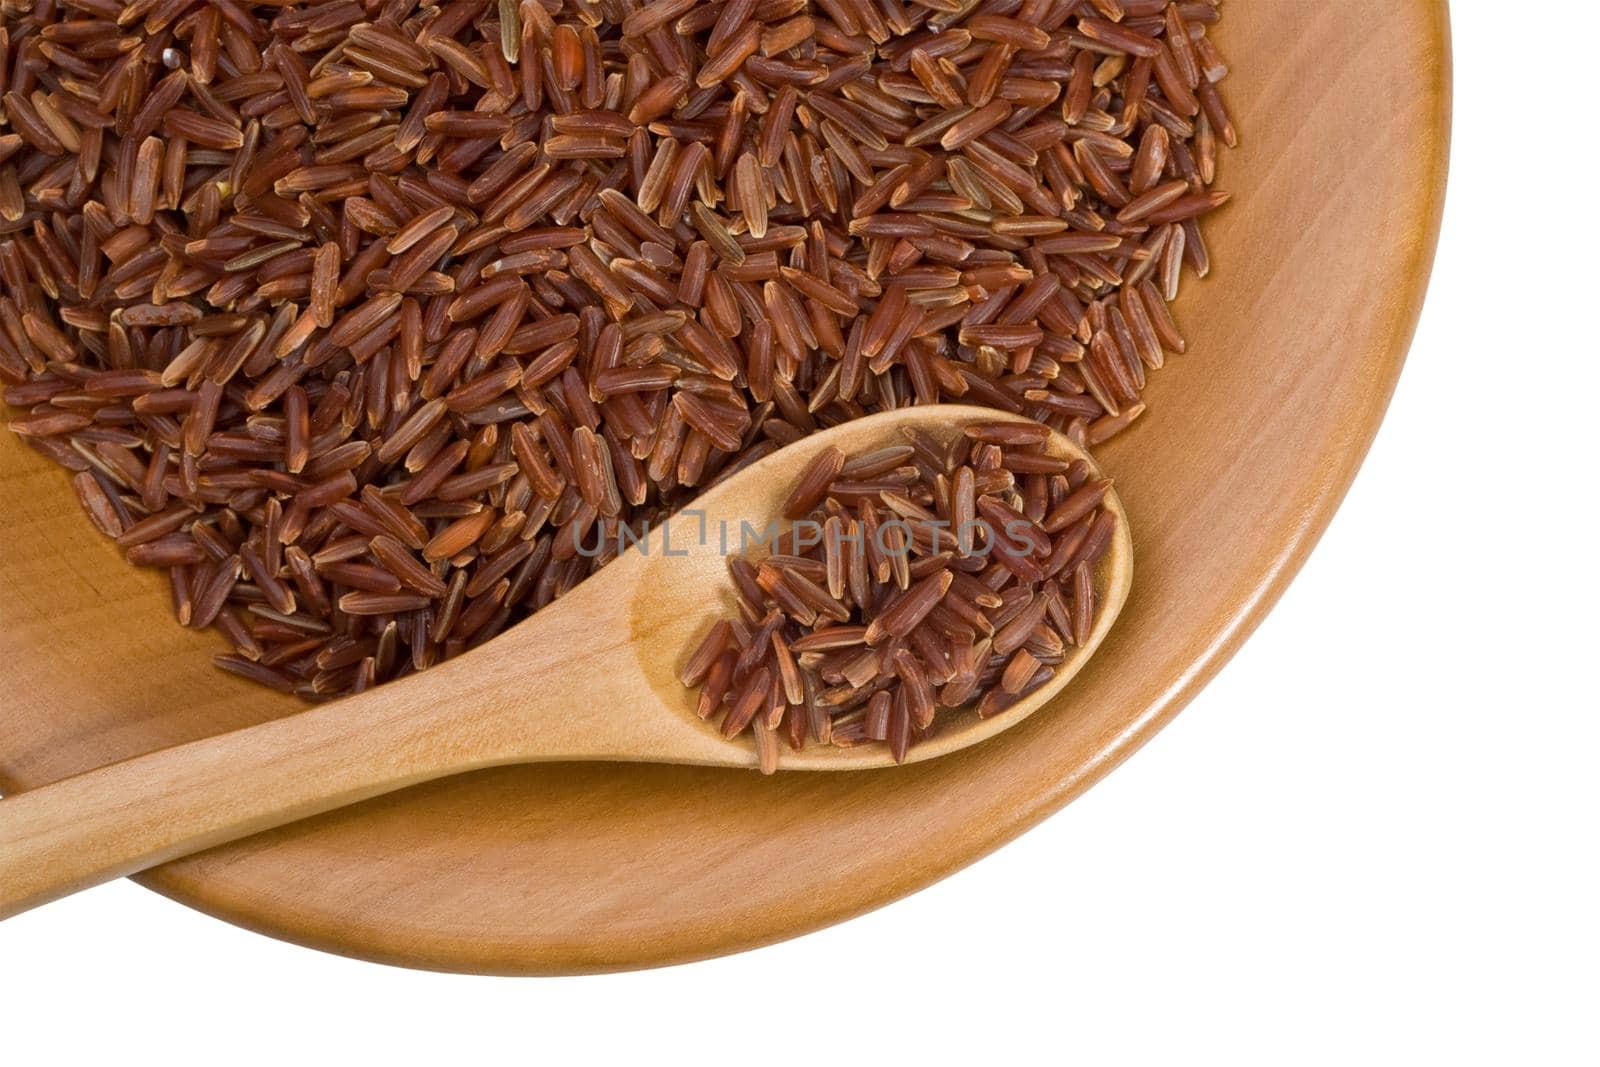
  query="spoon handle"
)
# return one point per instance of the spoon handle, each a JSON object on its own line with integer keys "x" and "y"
{"x": 565, "y": 684}
{"x": 129, "y": 816}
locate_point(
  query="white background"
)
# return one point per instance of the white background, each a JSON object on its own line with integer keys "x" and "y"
{"x": 1380, "y": 846}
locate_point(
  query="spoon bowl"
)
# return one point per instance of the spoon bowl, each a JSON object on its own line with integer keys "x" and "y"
{"x": 676, "y": 598}
{"x": 591, "y": 677}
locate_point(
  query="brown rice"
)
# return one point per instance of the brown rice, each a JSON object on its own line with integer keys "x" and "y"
{"x": 954, "y": 580}
{"x": 359, "y": 318}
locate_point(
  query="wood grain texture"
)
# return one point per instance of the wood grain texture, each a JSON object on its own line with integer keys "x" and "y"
{"x": 592, "y": 677}
{"x": 1296, "y": 341}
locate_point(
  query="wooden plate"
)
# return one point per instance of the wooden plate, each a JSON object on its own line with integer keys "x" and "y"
{"x": 1252, "y": 438}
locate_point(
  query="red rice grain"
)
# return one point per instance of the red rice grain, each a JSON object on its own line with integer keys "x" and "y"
{"x": 357, "y": 318}
{"x": 942, "y": 624}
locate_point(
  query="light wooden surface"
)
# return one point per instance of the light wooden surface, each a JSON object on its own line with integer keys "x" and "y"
{"x": 593, "y": 676}
{"x": 1296, "y": 341}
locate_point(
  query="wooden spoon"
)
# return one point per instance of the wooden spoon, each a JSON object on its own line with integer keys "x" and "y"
{"x": 591, "y": 677}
